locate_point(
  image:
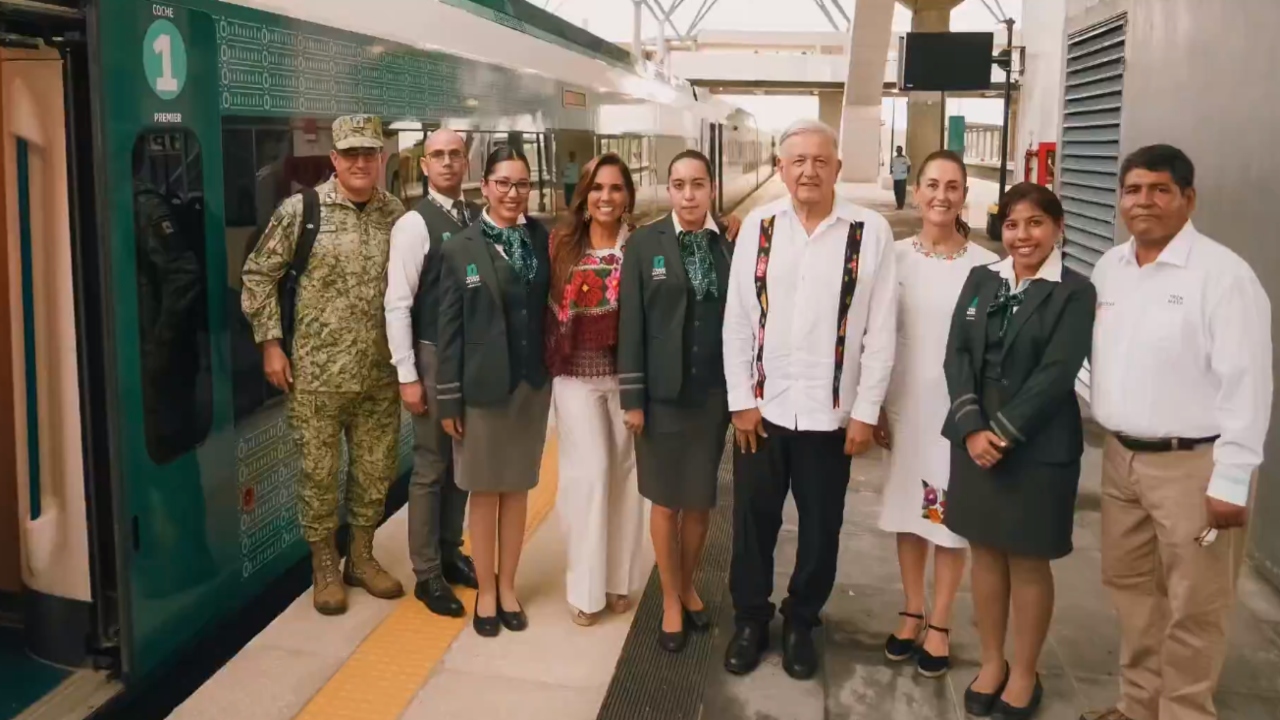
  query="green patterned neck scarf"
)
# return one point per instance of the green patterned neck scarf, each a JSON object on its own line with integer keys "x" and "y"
{"x": 514, "y": 241}
{"x": 695, "y": 253}
{"x": 1006, "y": 302}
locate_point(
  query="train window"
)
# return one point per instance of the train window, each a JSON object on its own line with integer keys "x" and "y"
{"x": 173, "y": 318}
{"x": 263, "y": 163}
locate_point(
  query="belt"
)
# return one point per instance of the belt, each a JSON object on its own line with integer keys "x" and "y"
{"x": 1160, "y": 445}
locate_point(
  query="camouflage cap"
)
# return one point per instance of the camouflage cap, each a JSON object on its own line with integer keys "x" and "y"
{"x": 357, "y": 131}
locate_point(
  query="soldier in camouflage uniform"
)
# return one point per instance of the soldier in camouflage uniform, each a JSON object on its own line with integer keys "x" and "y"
{"x": 340, "y": 381}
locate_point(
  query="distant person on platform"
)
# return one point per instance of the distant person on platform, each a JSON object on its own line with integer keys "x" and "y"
{"x": 900, "y": 170}
{"x": 809, "y": 340}
{"x": 570, "y": 175}
{"x": 1181, "y": 380}
{"x": 437, "y": 508}
{"x": 338, "y": 374}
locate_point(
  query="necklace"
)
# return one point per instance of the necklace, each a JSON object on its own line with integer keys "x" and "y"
{"x": 932, "y": 255}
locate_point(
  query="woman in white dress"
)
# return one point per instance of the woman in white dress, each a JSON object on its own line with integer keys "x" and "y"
{"x": 932, "y": 268}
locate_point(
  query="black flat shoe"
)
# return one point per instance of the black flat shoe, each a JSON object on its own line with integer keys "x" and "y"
{"x": 458, "y": 569}
{"x": 898, "y": 649}
{"x": 513, "y": 621}
{"x": 930, "y": 665}
{"x": 1005, "y": 711}
{"x": 983, "y": 704}
{"x": 436, "y": 594}
{"x": 743, "y": 654}
{"x": 485, "y": 626}
{"x": 698, "y": 619}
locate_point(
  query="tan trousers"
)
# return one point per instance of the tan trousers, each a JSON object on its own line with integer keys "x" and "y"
{"x": 1174, "y": 598}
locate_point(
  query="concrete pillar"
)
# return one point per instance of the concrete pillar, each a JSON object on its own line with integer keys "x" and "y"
{"x": 869, "y": 35}
{"x": 830, "y": 106}
{"x": 926, "y": 111}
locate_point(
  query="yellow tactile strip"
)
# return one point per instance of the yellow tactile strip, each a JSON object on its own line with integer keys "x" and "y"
{"x": 386, "y": 671}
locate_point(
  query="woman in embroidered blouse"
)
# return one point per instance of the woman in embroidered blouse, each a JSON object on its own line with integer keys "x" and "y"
{"x": 598, "y": 501}
{"x": 1020, "y": 332}
{"x": 492, "y": 383}
{"x": 932, "y": 267}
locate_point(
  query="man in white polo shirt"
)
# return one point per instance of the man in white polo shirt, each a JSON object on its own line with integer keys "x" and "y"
{"x": 1181, "y": 380}
{"x": 809, "y": 339}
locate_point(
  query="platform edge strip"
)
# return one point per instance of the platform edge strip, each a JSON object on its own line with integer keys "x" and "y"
{"x": 389, "y": 667}
{"x": 650, "y": 683}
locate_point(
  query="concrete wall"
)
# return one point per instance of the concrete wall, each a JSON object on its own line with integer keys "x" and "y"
{"x": 1040, "y": 105}
{"x": 1201, "y": 75}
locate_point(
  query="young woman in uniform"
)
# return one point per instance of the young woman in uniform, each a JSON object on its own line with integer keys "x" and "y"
{"x": 672, "y": 376}
{"x": 493, "y": 387}
{"x": 1020, "y": 332}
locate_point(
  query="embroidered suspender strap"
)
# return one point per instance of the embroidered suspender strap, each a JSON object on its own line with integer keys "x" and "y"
{"x": 849, "y": 283}
{"x": 762, "y": 294}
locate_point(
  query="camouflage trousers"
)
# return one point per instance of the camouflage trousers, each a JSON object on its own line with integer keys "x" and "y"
{"x": 370, "y": 421}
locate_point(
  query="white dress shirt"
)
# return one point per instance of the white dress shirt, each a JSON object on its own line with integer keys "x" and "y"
{"x": 1182, "y": 348}
{"x": 804, "y": 279}
{"x": 410, "y": 243}
{"x": 708, "y": 224}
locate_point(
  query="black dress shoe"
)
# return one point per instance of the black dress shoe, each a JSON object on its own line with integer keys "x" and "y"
{"x": 458, "y": 569}
{"x": 799, "y": 655}
{"x": 436, "y": 594}
{"x": 1005, "y": 711}
{"x": 748, "y": 642}
{"x": 485, "y": 626}
{"x": 698, "y": 619}
{"x": 982, "y": 704}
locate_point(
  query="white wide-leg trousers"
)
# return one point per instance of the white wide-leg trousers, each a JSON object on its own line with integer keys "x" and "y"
{"x": 598, "y": 501}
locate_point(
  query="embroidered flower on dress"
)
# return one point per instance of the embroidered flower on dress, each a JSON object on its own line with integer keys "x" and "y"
{"x": 934, "y": 506}
{"x": 588, "y": 289}
{"x": 612, "y": 284}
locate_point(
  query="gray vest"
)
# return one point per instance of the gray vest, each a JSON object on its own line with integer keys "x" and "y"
{"x": 426, "y": 304}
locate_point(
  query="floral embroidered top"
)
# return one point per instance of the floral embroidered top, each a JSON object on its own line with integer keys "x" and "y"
{"x": 582, "y": 323}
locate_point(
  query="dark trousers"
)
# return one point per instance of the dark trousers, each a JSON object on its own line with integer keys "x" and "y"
{"x": 436, "y": 506}
{"x": 900, "y": 192}
{"x": 813, "y": 466}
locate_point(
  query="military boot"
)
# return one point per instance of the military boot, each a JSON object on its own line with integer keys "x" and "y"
{"x": 362, "y": 569}
{"x": 329, "y": 597}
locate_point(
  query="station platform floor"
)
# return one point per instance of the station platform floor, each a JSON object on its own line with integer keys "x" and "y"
{"x": 392, "y": 659}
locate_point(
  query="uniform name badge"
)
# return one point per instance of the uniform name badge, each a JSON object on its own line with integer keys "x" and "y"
{"x": 473, "y": 276}
{"x": 660, "y": 268}
{"x": 972, "y": 312}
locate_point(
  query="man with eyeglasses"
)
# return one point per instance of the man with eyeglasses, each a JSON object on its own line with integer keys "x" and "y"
{"x": 436, "y": 505}
{"x": 335, "y": 368}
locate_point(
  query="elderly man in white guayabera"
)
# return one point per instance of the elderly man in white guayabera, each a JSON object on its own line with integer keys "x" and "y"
{"x": 809, "y": 337}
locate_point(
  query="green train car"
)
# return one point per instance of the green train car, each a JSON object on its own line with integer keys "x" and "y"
{"x": 146, "y": 464}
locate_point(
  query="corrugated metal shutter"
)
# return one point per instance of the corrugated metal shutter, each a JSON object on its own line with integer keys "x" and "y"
{"x": 1089, "y": 155}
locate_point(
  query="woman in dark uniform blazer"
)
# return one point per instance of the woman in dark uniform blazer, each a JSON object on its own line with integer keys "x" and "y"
{"x": 671, "y": 376}
{"x": 1019, "y": 336}
{"x": 492, "y": 383}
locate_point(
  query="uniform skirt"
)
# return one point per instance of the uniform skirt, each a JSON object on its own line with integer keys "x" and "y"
{"x": 501, "y": 447}
{"x": 1021, "y": 506}
{"x": 678, "y": 454}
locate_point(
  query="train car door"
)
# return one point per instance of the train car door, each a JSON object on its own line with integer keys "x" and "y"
{"x": 161, "y": 222}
